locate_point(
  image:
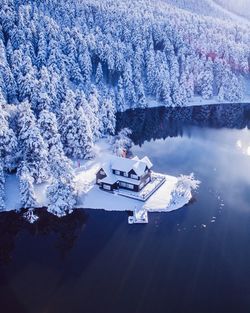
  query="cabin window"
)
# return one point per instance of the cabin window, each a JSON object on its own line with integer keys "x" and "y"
{"x": 126, "y": 185}
{"x": 125, "y": 174}
{"x": 106, "y": 187}
{"x": 134, "y": 176}
{"x": 117, "y": 172}
{"x": 102, "y": 172}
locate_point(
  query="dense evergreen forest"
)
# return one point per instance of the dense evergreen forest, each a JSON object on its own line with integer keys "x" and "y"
{"x": 67, "y": 66}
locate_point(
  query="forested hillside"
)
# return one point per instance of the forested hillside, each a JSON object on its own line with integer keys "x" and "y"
{"x": 66, "y": 67}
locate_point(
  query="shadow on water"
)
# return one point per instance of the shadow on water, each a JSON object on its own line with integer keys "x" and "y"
{"x": 65, "y": 231}
{"x": 160, "y": 123}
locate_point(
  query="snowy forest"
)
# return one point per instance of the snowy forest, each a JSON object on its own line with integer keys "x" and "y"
{"x": 67, "y": 67}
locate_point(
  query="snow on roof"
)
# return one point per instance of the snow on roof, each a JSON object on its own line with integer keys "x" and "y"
{"x": 147, "y": 161}
{"x": 126, "y": 165}
{"x": 136, "y": 158}
{"x": 112, "y": 178}
{"x": 139, "y": 167}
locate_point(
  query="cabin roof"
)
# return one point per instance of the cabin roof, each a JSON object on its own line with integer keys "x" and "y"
{"x": 148, "y": 162}
{"x": 112, "y": 178}
{"x": 126, "y": 165}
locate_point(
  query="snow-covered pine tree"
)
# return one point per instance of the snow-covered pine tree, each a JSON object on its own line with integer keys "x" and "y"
{"x": 121, "y": 102}
{"x": 141, "y": 98}
{"x": 66, "y": 121}
{"x": 8, "y": 142}
{"x": 60, "y": 166}
{"x": 99, "y": 75}
{"x": 26, "y": 181}
{"x": 61, "y": 198}
{"x": 129, "y": 85}
{"x": 233, "y": 88}
{"x": 206, "y": 81}
{"x": 26, "y": 80}
{"x": 108, "y": 117}
{"x": 32, "y": 148}
{"x": 41, "y": 50}
{"x": 94, "y": 106}
{"x": 150, "y": 71}
{"x": 85, "y": 64}
{"x": 83, "y": 136}
{"x": 48, "y": 125}
{"x": 61, "y": 193}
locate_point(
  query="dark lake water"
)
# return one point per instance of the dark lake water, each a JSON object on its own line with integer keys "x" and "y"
{"x": 193, "y": 260}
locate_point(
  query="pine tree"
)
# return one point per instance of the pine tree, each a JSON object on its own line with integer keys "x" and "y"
{"x": 26, "y": 81}
{"x": 99, "y": 74}
{"x": 61, "y": 198}
{"x": 83, "y": 141}
{"x": 49, "y": 130}
{"x": 150, "y": 71}
{"x": 8, "y": 141}
{"x": 66, "y": 121}
{"x": 128, "y": 85}
{"x": 60, "y": 166}
{"x": 61, "y": 193}
{"x": 28, "y": 199}
{"x": 141, "y": 98}
{"x": 108, "y": 117}
{"x": 206, "y": 81}
{"x": 31, "y": 145}
{"x": 94, "y": 106}
{"x": 121, "y": 102}
{"x": 42, "y": 50}
{"x": 85, "y": 65}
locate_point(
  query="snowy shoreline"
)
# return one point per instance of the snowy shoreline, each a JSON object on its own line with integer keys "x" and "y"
{"x": 89, "y": 196}
{"x": 198, "y": 101}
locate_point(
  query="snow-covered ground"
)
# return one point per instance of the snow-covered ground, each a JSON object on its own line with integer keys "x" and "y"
{"x": 89, "y": 195}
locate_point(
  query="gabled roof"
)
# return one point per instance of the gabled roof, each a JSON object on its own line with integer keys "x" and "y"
{"x": 148, "y": 162}
{"x": 126, "y": 165}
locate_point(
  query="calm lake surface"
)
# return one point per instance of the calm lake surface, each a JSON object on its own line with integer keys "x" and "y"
{"x": 193, "y": 260}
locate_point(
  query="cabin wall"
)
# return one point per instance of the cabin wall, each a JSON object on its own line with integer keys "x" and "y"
{"x": 144, "y": 179}
{"x": 112, "y": 187}
{"x": 130, "y": 173}
{"x": 99, "y": 176}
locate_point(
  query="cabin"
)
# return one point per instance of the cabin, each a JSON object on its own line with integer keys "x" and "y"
{"x": 131, "y": 174}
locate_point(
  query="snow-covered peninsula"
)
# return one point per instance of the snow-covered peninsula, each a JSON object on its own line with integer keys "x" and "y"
{"x": 173, "y": 194}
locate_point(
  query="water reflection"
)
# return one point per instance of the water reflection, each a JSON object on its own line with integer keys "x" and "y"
{"x": 160, "y": 123}
{"x": 64, "y": 231}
